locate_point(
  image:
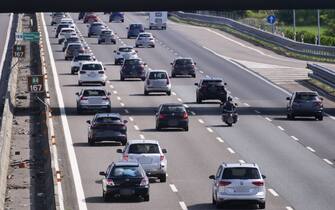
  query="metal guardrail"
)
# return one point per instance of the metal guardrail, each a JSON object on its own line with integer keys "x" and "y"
{"x": 323, "y": 74}
{"x": 288, "y": 44}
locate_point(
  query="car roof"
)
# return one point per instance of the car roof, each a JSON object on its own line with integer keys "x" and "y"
{"x": 125, "y": 46}
{"x": 145, "y": 33}
{"x": 63, "y": 29}
{"x": 85, "y": 54}
{"x": 126, "y": 163}
{"x": 108, "y": 115}
{"x": 157, "y": 70}
{"x": 239, "y": 165}
{"x": 94, "y": 88}
{"x": 92, "y": 62}
{"x": 212, "y": 78}
{"x": 143, "y": 141}
{"x": 306, "y": 92}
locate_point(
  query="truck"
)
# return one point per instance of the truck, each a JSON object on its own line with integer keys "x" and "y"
{"x": 157, "y": 20}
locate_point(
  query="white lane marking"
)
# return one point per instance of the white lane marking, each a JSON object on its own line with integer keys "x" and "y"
{"x": 173, "y": 188}
{"x": 219, "y": 139}
{"x": 119, "y": 98}
{"x": 182, "y": 205}
{"x": 122, "y": 104}
{"x": 210, "y": 130}
{"x": 179, "y": 99}
{"x": 237, "y": 98}
{"x": 136, "y": 127}
{"x": 274, "y": 193}
{"x": 258, "y": 112}
{"x": 241, "y": 161}
{"x": 310, "y": 149}
{"x": 268, "y": 119}
{"x": 66, "y": 129}
{"x": 142, "y": 136}
{"x": 131, "y": 119}
{"x": 186, "y": 106}
{"x": 201, "y": 121}
{"x": 231, "y": 150}
{"x": 126, "y": 111}
{"x": 281, "y": 128}
{"x": 173, "y": 93}
{"x": 328, "y": 161}
{"x": 246, "y": 104}
{"x": 201, "y": 72}
{"x": 289, "y": 208}
{"x": 115, "y": 92}
{"x": 193, "y": 113}
{"x": 4, "y": 52}
{"x": 295, "y": 138}
{"x": 207, "y": 76}
{"x": 247, "y": 70}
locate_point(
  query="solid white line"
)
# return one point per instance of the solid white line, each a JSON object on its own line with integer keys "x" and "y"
{"x": 122, "y": 104}
{"x": 173, "y": 188}
{"x": 126, "y": 111}
{"x": 118, "y": 98}
{"x": 136, "y": 127}
{"x": 142, "y": 136}
{"x": 274, "y": 193}
{"x": 281, "y": 128}
{"x": 328, "y": 161}
{"x": 246, "y": 104}
{"x": 201, "y": 121}
{"x": 310, "y": 149}
{"x": 179, "y": 99}
{"x": 219, "y": 139}
{"x": 268, "y": 119}
{"x": 182, "y": 205}
{"x": 210, "y": 130}
{"x": 231, "y": 150}
{"x": 295, "y": 138}
{"x": 241, "y": 161}
{"x": 67, "y": 134}
{"x": 289, "y": 208}
{"x": 4, "y": 52}
{"x": 131, "y": 119}
{"x": 173, "y": 93}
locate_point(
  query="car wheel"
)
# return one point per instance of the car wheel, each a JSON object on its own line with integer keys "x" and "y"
{"x": 261, "y": 205}
{"x": 146, "y": 197}
{"x": 199, "y": 100}
{"x": 153, "y": 46}
{"x": 91, "y": 142}
{"x": 89, "y": 35}
{"x": 79, "y": 84}
{"x": 124, "y": 142}
{"x": 146, "y": 92}
{"x": 168, "y": 93}
{"x": 230, "y": 124}
{"x": 99, "y": 42}
{"x": 162, "y": 178}
{"x": 143, "y": 78}
{"x": 59, "y": 42}
{"x": 121, "y": 78}
{"x": 136, "y": 45}
{"x": 103, "y": 83}
{"x": 193, "y": 75}
{"x": 115, "y": 62}
{"x": 173, "y": 75}
{"x": 290, "y": 116}
{"x": 186, "y": 128}
{"x": 66, "y": 58}
{"x": 158, "y": 127}
{"x": 72, "y": 72}
{"x": 150, "y": 28}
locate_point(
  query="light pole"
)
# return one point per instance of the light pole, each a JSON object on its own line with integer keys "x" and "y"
{"x": 318, "y": 26}
{"x": 294, "y": 26}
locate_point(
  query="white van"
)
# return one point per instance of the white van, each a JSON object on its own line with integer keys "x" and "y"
{"x": 157, "y": 20}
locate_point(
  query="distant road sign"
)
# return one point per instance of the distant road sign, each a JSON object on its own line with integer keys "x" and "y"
{"x": 271, "y": 19}
{"x": 27, "y": 36}
{"x": 19, "y": 36}
{"x": 19, "y": 51}
{"x": 35, "y": 83}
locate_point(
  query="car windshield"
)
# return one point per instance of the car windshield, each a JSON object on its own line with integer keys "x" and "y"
{"x": 158, "y": 75}
{"x": 241, "y": 173}
{"x": 143, "y": 148}
{"x": 184, "y": 62}
{"x": 212, "y": 82}
{"x": 126, "y": 171}
{"x": 94, "y": 93}
{"x": 111, "y": 119}
{"x": 125, "y": 49}
{"x": 92, "y": 66}
{"x": 173, "y": 108}
{"x": 83, "y": 58}
{"x": 306, "y": 97}
{"x": 145, "y": 35}
{"x": 133, "y": 62}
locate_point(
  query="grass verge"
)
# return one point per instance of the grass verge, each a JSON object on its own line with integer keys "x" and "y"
{"x": 326, "y": 88}
{"x": 267, "y": 45}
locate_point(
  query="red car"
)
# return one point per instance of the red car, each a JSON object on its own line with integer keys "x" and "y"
{"x": 90, "y": 18}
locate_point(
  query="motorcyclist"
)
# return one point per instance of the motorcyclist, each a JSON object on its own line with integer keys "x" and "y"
{"x": 228, "y": 105}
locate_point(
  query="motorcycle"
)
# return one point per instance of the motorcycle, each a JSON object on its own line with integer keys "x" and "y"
{"x": 229, "y": 117}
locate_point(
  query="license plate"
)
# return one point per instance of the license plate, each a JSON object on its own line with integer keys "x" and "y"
{"x": 91, "y": 75}
{"x": 173, "y": 122}
{"x": 145, "y": 160}
{"x": 241, "y": 190}
{"x": 127, "y": 192}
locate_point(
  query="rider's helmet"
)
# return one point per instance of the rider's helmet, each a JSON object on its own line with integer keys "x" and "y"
{"x": 230, "y": 98}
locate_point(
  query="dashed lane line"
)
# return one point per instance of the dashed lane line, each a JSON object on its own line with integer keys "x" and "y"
{"x": 246, "y": 104}
{"x": 179, "y": 99}
{"x": 193, "y": 113}
{"x": 186, "y": 106}
{"x": 231, "y": 150}
{"x": 268, "y": 119}
{"x": 219, "y": 139}
{"x": 310, "y": 149}
{"x": 201, "y": 121}
{"x": 173, "y": 93}
{"x": 131, "y": 119}
{"x": 328, "y": 161}
{"x": 295, "y": 138}
{"x": 258, "y": 112}
{"x": 210, "y": 130}
{"x": 119, "y": 98}
{"x": 273, "y": 192}
{"x": 173, "y": 188}
{"x": 281, "y": 128}
{"x": 241, "y": 161}
{"x": 115, "y": 92}
{"x": 142, "y": 136}
{"x": 182, "y": 205}
{"x": 126, "y": 111}
{"x": 136, "y": 127}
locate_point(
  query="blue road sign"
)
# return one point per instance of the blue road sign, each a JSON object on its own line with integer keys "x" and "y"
{"x": 271, "y": 19}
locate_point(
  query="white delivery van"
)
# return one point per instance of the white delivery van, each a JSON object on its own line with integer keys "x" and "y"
{"x": 157, "y": 20}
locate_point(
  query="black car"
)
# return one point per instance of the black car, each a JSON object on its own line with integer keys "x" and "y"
{"x": 107, "y": 127}
{"x": 172, "y": 116}
{"x": 304, "y": 103}
{"x": 60, "y": 27}
{"x": 73, "y": 49}
{"x": 133, "y": 68}
{"x": 81, "y": 15}
{"x": 72, "y": 39}
{"x": 183, "y": 66}
{"x": 125, "y": 179}
{"x": 210, "y": 89}
{"x": 134, "y": 30}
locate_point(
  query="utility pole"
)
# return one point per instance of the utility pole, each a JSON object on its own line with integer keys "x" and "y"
{"x": 318, "y": 26}
{"x": 294, "y": 27}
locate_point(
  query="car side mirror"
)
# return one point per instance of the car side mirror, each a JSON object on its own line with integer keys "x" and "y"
{"x": 263, "y": 176}
{"x": 171, "y": 63}
{"x": 212, "y": 177}
{"x": 109, "y": 93}
{"x": 119, "y": 151}
{"x": 88, "y": 122}
{"x": 164, "y": 151}
{"x": 196, "y": 84}
{"x": 77, "y": 93}
{"x": 114, "y": 51}
{"x": 101, "y": 173}
{"x": 288, "y": 98}
{"x": 225, "y": 83}
{"x": 125, "y": 121}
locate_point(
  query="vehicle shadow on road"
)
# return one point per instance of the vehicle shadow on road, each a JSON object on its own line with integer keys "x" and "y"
{"x": 295, "y": 119}
{"x": 99, "y": 199}
{"x": 227, "y": 207}
{"x": 163, "y": 130}
{"x": 97, "y": 144}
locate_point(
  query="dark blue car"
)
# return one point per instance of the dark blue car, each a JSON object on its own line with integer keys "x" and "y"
{"x": 116, "y": 16}
{"x": 134, "y": 30}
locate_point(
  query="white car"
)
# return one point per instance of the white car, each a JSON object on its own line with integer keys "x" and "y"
{"x": 238, "y": 182}
{"x": 157, "y": 81}
{"x": 56, "y": 17}
{"x": 79, "y": 59}
{"x": 66, "y": 33}
{"x": 149, "y": 154}
{"x": 92, "y": 72}
{"x": 69, "y": 21}
{"x": 123, "y": 53}
{"x": 145, "y": 39}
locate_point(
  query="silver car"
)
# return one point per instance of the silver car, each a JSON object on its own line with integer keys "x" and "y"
{"x": 157, "y": 81}
{"x": 95, "y": 29}
{"x": 106, "y": 36}
{"x": 238, "y": 182}
{"x": 93, "y": 99}
{"x": 123, "y": 53}
{"x": 145, "y": 39}
{"x": 149, "y": 154}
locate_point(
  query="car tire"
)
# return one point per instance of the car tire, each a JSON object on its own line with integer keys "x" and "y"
{"x": 168, "y": 93}
{"x": 91, "y": 142}
{"x": 88, "y": 35}
{"x": 153, "y": 46}
{"x": 59, "y": 42}
{"x": 146, "y": 197}
{"x": 186, "y": 128}
{"x": 158, "y": 128}
{"x": 199, "y": 101}
{"x": 72, "y": 72}
{"x": 162, "y": 178}
{"x": 121, "y": 78}
{"x": 173, "y": 75}
{"x": 261, "y": 205}
{"x": 193, "y": 75}
{"x": 290, "y": 116}
{"x": 136, "y": 45}
{"x": 143, "y": 78}
{"x": 103, "y": 83}
{"x": 79, "y": 84}
{"x": 319, "y": 117}
{"x": 124, "y": 142}
{"x": 213, "y": 200}
{"x": 79, "y": 110}
{"x": 99, "y": 42}
{"x": 66, "y": 58}
{"x": 146, "y": 92}
{"x": 105, "y": 197}
{"x": 230, "y": 124}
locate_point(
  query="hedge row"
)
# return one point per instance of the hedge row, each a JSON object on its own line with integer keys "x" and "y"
{"x": 310, "y": 37}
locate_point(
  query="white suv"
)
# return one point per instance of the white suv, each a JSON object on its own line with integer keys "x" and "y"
{"x": 238, "y": 182}
{"x": 79, "y": 59}
{"x": 92, "y": 72}
{"x": 66, "y": 33}
{"x": 149, "y": 154}
{"x": 123, "y": 53}
{"x": 157, "y": 81}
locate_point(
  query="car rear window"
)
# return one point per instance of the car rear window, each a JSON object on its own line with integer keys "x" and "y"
{"x": 72, "y": 39}
{"x": 126, "y": 171}
{"x": 184, "y": 62}
{"x": 212, "y": 82}
{"x": 133, "y": 62}
{"x": 306, "y": 96}
{"x": 125, "y": 49}
{"x": 173, "y": 109}
{"x": 143, "y": 148}
{"x": 145, "y": 35}
{"x": 83, "y": 58}
{"x": 92, "y": 66}
{"x": 72, "y": 47}
{"x": 94, "y": 93}
{"x": 136, "y": 26}
{"x": 107, "y": 119}
{"x": 158, "y": 75}
{"x": 241, "y": 173}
